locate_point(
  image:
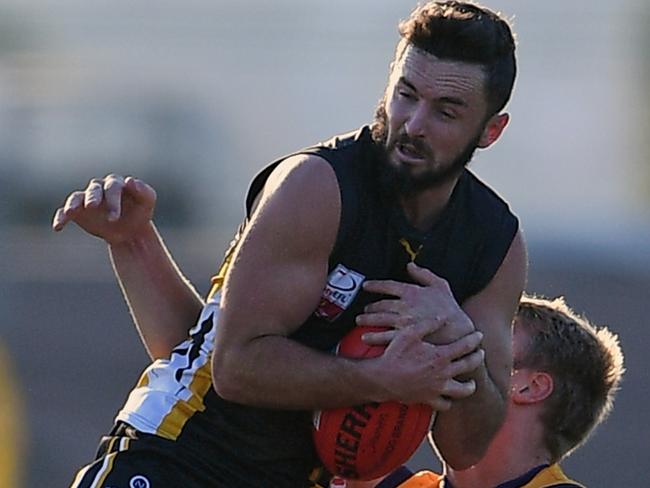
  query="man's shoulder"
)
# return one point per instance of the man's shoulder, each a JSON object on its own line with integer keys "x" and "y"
{"x": 552, "y": 477}
{"x": 487, "y": 207}
{"x": 479, "y": 189}
{"x": 344, "y": 157}
{"x": 346, "y": 139}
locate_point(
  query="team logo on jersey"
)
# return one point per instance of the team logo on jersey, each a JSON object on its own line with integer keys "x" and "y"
{"x": 139, "y": 481}
{"x": 342, "y": 287}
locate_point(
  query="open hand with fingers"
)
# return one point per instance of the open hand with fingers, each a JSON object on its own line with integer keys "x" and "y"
{"x": 414, "y": 371}
{"x": 426, "y": 305}
{"x": 112, "y": 208}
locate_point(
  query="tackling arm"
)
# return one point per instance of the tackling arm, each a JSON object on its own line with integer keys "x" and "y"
{"x": 463, "y": 433}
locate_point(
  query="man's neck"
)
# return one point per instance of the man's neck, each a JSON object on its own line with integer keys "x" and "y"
{"x": 513, "y": 452}
{"x": 423, "y": 209}
{"x": 491, "y": 476}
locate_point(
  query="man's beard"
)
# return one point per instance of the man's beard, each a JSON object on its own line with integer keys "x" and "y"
{"x": 397, "y": 179}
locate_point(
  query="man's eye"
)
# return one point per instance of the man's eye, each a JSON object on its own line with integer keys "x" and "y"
{"x": 407, "y": 95}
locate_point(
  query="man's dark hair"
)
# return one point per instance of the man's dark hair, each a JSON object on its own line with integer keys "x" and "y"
{"x": 466, "y": 32}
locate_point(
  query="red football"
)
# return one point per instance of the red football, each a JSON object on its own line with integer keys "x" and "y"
{"x": 368, "y": 441}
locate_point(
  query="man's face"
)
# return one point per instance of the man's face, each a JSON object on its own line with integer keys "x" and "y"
{"x": 434, "y": 116}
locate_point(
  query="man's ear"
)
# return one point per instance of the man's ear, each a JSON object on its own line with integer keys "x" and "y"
{"x": 535, "y": 387}
{"x": 493, "y": 130}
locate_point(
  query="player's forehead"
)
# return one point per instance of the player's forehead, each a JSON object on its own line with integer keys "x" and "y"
{"x": 433, "y": 76}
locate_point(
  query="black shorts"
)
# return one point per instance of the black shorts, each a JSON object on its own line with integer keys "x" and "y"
{"x": 127, "y": 458}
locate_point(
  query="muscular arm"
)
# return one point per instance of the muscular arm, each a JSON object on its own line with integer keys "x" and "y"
{"x": 462, "y": 434}
{"x": 273, "y": 285}
{"x": 275, "y": 282}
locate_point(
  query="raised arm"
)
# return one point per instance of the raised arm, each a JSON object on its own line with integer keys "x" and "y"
{"x": 163, "y": 303}
{"x": 275, "y": 282}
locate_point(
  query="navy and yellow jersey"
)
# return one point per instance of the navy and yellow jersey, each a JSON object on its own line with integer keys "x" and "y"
{"x": 249, "y": 446}
{"x": 552, "y": 477}
{"x": 540, "y": 477}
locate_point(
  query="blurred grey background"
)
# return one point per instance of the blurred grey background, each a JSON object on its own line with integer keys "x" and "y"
{"x": 196, "y": 96}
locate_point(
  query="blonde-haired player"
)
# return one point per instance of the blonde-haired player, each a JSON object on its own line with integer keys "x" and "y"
{"x": 566, "y": 373}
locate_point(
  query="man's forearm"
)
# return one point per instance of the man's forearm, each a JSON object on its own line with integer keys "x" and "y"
{"x": 163, "y": 303}
{"x": 463, "y": 433}
{"x": 275, "y": 371}
{"x": 278, "y": 372}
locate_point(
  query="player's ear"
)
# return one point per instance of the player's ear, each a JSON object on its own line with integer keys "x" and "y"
{"x": 493, "y": 129}
{"x": 533, "y": 387}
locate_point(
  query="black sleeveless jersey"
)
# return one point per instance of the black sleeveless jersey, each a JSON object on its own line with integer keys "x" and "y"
{"x": 243, "y": 446}
{"x": 375, "y": 241}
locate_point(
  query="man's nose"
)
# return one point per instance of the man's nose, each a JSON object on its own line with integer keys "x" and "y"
{"x": 417, "y": 121}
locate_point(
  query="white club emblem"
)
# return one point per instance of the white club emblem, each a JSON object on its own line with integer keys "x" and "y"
{"x": 139, "y": 481}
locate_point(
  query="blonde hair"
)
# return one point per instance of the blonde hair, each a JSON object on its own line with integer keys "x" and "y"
{"x": 586, "y": 363}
